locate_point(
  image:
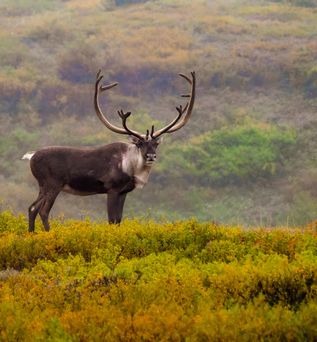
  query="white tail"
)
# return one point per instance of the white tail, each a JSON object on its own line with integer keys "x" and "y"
{"x": 28, "y": 155}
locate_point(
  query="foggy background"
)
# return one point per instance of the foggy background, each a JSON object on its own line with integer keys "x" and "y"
{"x": 247, "y": 156}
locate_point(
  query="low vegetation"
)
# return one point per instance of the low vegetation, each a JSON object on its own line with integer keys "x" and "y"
{"x": 249, "y": 153}
{"x": 143, "y": 281}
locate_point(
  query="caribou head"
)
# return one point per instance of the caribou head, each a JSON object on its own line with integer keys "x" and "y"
{"x": 114, "y": 169}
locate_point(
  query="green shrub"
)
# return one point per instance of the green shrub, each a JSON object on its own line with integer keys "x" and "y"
{"x": 299, "y": 3}
{"x": 303, "y": 3}
{"x": 232, "y": 155}
{"x": 127, "y": 2}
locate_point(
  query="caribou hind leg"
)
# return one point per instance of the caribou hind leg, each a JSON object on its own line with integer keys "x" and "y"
{"x": 42, "y": 205}
{"x": 34, "y": 209}
{"x": 115, "y": 203}
{"x": 46, "y": 206}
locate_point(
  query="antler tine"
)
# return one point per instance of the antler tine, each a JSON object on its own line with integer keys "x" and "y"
{"x": 166, "y": 128}
{"x": 101, "y": 116}
{"x": 98, "y": 74}
{"x": 181, "y": 119}
{"x": 190, "y": 105}
{"x": 124, "y": 117}
{"x": 99, "y": 77}
{"x": 181, "y": 109}
{"x": 152, "y": 131}
{"x": 186, "y": 78}
{"x": 109, "y": 86}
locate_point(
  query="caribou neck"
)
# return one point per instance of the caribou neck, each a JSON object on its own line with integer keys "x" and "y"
{"x": 135, "y": 166}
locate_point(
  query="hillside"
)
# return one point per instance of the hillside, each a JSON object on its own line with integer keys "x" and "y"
{"x": 143, "y": 281}
{"x": 249, "y": 154}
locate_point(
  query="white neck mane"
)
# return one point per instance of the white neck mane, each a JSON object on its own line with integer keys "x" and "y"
{"x": 134, "y": 165}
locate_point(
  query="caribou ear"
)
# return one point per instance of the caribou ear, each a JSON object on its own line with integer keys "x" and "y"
{"x": 159, "y": 139}
{"x": 134, "y": 140}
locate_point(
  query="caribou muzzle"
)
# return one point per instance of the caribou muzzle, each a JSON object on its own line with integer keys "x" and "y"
{"x": 150, "y": 158}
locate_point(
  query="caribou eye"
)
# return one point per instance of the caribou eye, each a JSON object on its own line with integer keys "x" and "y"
{"x": 139, "y": 143}
{"x": 136, "y": 141}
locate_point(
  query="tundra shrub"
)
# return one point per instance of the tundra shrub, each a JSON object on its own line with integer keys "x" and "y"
{"x": 144, "y": 281}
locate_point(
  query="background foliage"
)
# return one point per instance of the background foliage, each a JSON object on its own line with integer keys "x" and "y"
{"x": 249, "y": 154}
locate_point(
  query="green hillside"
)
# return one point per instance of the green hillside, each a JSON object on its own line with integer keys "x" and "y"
{"x": 248, "y": 155}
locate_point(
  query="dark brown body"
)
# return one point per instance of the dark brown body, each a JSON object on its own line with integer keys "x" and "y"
{"x": 86, "y": 170}
{"x": 80, "y": 171}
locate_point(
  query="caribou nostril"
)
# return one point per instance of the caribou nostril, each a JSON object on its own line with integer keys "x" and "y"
{"x": 150, "y": 157}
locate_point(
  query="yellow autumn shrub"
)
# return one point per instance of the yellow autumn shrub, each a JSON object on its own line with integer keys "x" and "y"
{"x": 149, "y": 281}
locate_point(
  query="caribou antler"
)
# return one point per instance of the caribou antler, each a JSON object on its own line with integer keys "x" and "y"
{"x": 176, "y": 124}
{"x": 101, "y": 116}
{"x": 181, "y": 111}
{"x": 181, "y": 119}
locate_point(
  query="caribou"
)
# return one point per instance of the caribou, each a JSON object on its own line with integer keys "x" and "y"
{"x": 114, "y": 169}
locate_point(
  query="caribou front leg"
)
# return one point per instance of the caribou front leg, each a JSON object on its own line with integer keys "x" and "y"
{"x": 115, "y": 203}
